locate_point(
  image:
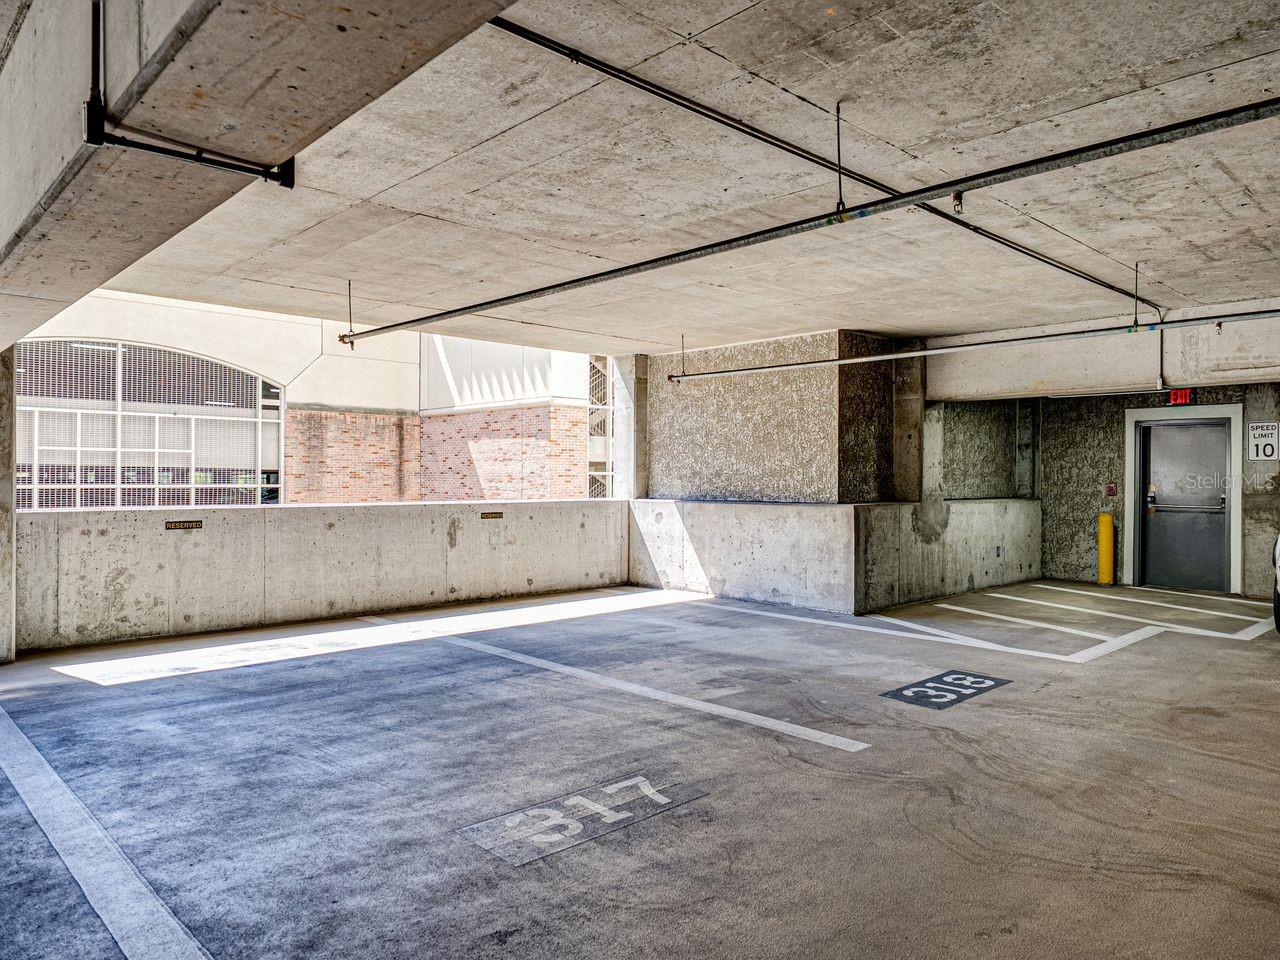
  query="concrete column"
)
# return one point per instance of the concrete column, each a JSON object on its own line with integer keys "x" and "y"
{"x": 630, "y": 426}
{"x": 1027, "y": 450}
{"x": 8, "y": 427}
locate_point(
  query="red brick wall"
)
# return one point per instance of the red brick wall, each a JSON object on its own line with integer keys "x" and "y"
{"x": 516, "y": 453}
{"x": 334, "y": 456}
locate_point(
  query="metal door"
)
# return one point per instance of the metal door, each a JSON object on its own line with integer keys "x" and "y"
{"x": 1183, "y": 503}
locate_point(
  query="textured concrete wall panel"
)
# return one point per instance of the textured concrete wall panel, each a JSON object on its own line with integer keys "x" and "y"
{"x": 866, "y": 471}
{"x": 768, "y": 437}
{"x": 979, "y": 450}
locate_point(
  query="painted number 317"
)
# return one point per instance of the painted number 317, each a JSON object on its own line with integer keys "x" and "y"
{"x": 951, "y": 687}
{"x": 556, "y": 825}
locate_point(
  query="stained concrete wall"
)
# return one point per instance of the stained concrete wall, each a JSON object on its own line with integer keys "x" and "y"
{"x": 979, "y": 449}
{"x": 97, "y": 576}
{"x": 1082, "y": 449}
{"x": 979, "y": 543}
{"x": 844, "y": 558}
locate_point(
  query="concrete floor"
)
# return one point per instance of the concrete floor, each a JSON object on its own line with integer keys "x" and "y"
{"x": 299, "y": 792}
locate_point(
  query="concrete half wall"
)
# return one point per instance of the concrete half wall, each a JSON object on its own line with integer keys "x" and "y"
{"x": 901, "y": 558}
{"x": 99, "y": 576}
{"x": 844, "y": 558}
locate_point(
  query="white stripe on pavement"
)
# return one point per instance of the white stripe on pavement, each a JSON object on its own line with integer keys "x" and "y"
{"x": 715, "y": 709}
{"x": 1175, "y": 627}
{"x": 143, "y": 926}
{"x": 1151, "y": 603}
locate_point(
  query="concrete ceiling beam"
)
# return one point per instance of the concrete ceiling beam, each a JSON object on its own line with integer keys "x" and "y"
{"x": 259, "y": 81}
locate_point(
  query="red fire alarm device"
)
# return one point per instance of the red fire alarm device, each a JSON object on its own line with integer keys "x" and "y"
{"x": 1182, "y": 396}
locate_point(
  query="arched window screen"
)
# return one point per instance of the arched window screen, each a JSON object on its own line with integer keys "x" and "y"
{"x": 104, "y": 424}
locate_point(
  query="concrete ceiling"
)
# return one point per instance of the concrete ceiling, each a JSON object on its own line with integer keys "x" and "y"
{"x": 499, "y": 167}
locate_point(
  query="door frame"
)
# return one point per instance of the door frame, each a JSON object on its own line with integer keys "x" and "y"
{"x": 1232, "y": 412}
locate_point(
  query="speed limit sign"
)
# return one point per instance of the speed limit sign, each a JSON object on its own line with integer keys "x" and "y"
{"x": 1264, "y": 442}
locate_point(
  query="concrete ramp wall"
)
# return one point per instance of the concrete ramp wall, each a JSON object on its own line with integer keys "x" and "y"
{"x": 844, "y": 558}
{"x": 100, "y": 576}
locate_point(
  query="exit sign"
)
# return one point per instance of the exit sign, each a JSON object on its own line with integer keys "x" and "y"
{"x": 1182, "y": 396}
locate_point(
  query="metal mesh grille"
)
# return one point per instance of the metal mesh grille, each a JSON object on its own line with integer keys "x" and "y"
{"x": 151, "y": 376}
{"x": 107, "y": 424}
{"x": 599, "y": 429}
{"x": 67, "y": 373}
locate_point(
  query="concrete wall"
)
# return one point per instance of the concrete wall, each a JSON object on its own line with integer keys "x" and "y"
{"x": 845, "y": 558}
{"x": 824, "y": 435}
{"x": 1082, "y": 449}
{"x": 866, "y": 421}
{"x": 773, "y": 436}
{"x": 979, "y": 449}
{"x": 791, "y": 553}
{"x": 97, "y": 576}
{"x": 982, "y": 543}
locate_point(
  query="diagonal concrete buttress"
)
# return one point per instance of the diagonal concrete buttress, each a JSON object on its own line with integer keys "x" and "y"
{"x": 253, "y": 80}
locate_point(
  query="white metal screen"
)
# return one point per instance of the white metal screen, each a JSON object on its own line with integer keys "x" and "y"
{"x": 104, "y": 424}
{"x": 599, "y": 429}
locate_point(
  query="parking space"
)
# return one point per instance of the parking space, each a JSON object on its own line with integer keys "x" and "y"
{"x": 649, "y": 773}
{"x": 1079, "y": 622}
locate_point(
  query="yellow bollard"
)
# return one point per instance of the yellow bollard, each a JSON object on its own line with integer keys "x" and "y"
{"x": 1106, "y": 549}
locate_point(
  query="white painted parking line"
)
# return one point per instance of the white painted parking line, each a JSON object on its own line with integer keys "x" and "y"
{"x": 1087, "y": 655}
{"x": 1196, "y": 596}
{"x": 1150, "y": 603}
{"x": 818, "y": 620}
{"x": 715, "y": 709}
{"x": 1176, "y": 627}
{"x": 1111, "y": 646}
{"x": 143, "y": 926}
{"x": 1026, "y": 623}
{"x": 946, "y": 636}
{"x": 1257, "y": 630}
{"x": 933, "y": 636}
{"x": 928, "y": 628}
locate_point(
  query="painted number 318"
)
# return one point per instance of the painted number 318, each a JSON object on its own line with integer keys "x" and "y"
{"x": 953, "y": 686}
{"x": 556, "y": 826}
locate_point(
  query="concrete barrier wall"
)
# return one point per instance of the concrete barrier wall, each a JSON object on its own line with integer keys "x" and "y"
{"x": 98, "y": 576}
{"x": 792, "y": 553}
{"x": 843, "y": 558}
{"x": 902, "y": 557}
